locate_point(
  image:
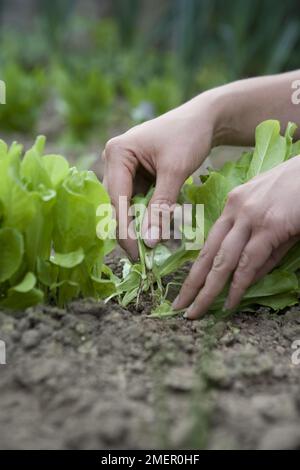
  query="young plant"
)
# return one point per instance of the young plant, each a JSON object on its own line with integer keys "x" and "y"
{"x": 26, "y": 91}
{"x": 146, "y": 275}
{"x": 280, "y": 288}
{"x": 85, "y": 97}
{"x": 50, "y": 250}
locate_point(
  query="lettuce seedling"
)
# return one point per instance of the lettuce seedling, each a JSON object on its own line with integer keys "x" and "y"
{"x": 146, "y": 275}
{"x": 50, "y": 250}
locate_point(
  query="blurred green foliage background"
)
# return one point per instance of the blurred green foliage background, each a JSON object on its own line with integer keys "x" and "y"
{"x": 78, "y": 70}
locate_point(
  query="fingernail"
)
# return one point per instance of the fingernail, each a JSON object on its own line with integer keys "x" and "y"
{"x": 175, "y": 302}
{"x": 189, "y": 310}
{"x": 151, "y": 238}
{"x": 134, "y": 259}
{"x": 134, "y": 256}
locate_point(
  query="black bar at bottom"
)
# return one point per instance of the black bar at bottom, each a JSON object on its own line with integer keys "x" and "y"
{"x": 135, "y": 458}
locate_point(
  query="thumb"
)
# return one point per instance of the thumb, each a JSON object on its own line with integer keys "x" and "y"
{"x": 157, "y": 220}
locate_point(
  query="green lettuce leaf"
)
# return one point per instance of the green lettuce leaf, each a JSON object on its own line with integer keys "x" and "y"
{"x": 68, "y": 260}
{"x": 23, "y": 295}
{"x": 48, "y": 229}
{"x": 270, "y": 149}
{"x": 12, "y": 251}
{"x": 213, "y": 195}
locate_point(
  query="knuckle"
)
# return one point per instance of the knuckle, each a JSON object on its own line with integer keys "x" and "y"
{"x": 247, "y": 209}
{"x": 273, "y": 219}
{"x": 220, "y": 262}
{"x": 242, "y": 277}
{"x": 225, "y": 220}
{"x": 250, "y": 210}
{"x": 244, "y": 261}
{"x": 203, "y": 254}
{"x": 162, "y": 203}
{"x": 113, "y": 146}
{"x": 134, "y": 129}
{"x": 238, "y": 282}
{"x": 234, "y": 197}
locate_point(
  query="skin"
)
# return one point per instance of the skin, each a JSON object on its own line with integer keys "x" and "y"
{"x": 260, "y": 221}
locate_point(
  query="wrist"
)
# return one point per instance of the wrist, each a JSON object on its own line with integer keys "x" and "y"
{"x": 212, "y": 110}
{"x": 210, "y": 113}
{"x": 222, "y": 108}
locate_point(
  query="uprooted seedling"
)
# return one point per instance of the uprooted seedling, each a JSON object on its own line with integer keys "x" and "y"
{"x": 146, "y": 275}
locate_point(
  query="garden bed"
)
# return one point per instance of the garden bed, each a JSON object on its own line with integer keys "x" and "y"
{"x": 99, "y": 376}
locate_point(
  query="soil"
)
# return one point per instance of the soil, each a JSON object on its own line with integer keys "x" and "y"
{"x": 96, "y": 376}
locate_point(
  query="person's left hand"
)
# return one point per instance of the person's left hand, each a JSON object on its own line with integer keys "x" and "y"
{"x": 260, "y": 223}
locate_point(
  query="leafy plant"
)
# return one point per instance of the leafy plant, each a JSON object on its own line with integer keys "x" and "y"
{"x": 26, "y": 91}
{"x": 85, "y": 99}
{"x": 146, "y": 275}
{"x": 280, "y": 288}
{"x": 48, "y": 217}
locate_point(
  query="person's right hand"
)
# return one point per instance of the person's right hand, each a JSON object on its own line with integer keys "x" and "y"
{"x": 164, "y": 151}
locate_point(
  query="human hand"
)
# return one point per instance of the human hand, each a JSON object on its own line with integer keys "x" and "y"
{"x": 164, "y": 151}
{"x": 260, "y": 223}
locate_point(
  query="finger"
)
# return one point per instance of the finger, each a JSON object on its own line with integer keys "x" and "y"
{"x": 157, "y": 220}
{"x": 275, "y": 258}
{"x": 254, "y": 256}
{"x": 203, "y": 264}
{"x": 223, "y": 266}
{"x": 120, "y": 168}
{"x": 104, "y": 182}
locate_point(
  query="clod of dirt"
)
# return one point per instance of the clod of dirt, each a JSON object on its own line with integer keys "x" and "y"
{"x": 31, "y": 339}
{"x": 284, "y": 437}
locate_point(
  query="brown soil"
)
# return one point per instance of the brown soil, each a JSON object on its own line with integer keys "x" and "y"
{"x": 98, "y": 376}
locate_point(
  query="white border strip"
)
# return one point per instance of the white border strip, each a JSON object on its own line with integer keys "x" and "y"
{"x": 2, "y": 92}
{"x": 2, "y": 353}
